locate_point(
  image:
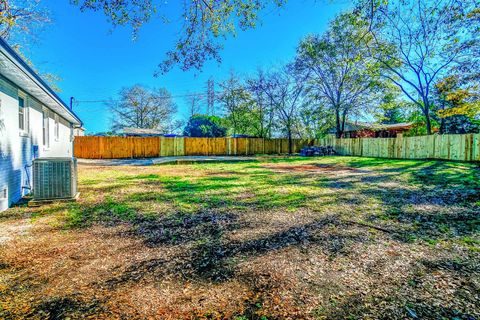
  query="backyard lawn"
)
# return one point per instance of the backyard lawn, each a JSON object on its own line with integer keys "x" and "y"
{"x": 279, "y": 238}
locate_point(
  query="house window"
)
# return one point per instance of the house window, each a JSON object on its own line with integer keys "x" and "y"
{"x": 46, "y": 129}
{"x": 57, "y": 128}
{"x": 22, "y": 115}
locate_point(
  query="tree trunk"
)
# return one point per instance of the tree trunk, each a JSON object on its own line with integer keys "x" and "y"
{"x": 429, "y": 125}
{"x": 426, "y": 112}
{"x": 442, "y": 126}
{"x": 234, "y": 127}
{"x": 289, "y": 134}
{"x": 338, "y": 126}
{"x": 344, "y": 119}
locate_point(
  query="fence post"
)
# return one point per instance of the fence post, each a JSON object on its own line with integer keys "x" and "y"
{"x": 470, "y": 151}
{"x": 398, "y": 145}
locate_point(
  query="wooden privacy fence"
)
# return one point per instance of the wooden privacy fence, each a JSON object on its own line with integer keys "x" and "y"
{"x": 460, "y": 147}
{"x": 92, "y": 147}
{"x": 463, "y": 147}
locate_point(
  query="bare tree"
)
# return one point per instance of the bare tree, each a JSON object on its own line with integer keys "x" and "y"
{"x": 261, "y": 108}
{"x": 285, "y": 91}
{"x": 140, "y": 107}
{"x": 194, "y": 102}
{"x": 419, "y": 41}
{"x": 20, "y": 22}
{"x": 174, "y": 127}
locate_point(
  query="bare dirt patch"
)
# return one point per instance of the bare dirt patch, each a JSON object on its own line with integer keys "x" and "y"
{"x": 10, "y": 230}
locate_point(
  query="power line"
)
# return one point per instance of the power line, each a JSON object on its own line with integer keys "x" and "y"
{"x": 165, "y": 97}
{"x": 209, "y": 94}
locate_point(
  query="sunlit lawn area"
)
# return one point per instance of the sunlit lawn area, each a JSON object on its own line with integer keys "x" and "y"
{"x": 317, "y": 238}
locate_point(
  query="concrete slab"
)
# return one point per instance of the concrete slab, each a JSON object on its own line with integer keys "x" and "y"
{"x": 40, "y": 202}
{"x": 162, "y": 160}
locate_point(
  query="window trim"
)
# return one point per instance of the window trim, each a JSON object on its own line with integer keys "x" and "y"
{"x": 26, "y": 114}
{"x": 21, "y": 114}
{"x": 56, "y": 127}
{"x": 46, "y": 128}
{"x": 4, "y": 193}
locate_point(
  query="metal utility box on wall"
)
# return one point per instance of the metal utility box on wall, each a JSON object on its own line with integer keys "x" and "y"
{"x": 54, "y": 178}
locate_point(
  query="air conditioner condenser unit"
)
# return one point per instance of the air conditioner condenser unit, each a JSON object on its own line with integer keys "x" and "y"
{"x": 54, "y": 179}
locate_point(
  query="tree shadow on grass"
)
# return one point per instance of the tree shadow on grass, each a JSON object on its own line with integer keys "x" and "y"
{"x": 209, "y": 256}
{"x": 385, "y": 165}
{"x": 462, "y": 185}
{"x": 58, "y": 308}
{"x": 67, "y": 307}
{"x": 431, "y": 215}
{"x": 181, "y": 228}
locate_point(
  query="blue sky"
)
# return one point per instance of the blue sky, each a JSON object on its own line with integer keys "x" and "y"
{"x": 95, "y": 62}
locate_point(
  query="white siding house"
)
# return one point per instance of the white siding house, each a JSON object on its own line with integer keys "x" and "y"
{"x": 34, "y": 122}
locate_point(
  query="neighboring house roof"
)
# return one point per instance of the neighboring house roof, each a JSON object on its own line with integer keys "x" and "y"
{"x": 141, "y": 132}
{"x": 103, "y": 134}
{"x": 15, "y": 69}
{"x": 358, "y": 126}
{"x": 397, "y": 126}
{"x": 241, "y": 136}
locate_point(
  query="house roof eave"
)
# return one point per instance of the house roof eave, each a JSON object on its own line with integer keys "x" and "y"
{"x": 15, "y": 69}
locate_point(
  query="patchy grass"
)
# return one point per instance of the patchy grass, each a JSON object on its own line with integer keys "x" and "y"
{"x": 327, "y": 238}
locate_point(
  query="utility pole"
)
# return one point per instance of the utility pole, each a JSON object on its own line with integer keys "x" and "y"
{"x": 211, "y": 97}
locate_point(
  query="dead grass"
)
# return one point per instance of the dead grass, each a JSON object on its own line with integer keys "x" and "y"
{"x": 332, "y": 238}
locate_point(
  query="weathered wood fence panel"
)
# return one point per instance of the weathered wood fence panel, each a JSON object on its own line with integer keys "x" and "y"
{"x": 116, "y": 147}
{"x": 93, "y": 147}
{"x": 195, "y": 146}
{"x": 463, "y": 147}
{"x": 170, "y": 147}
